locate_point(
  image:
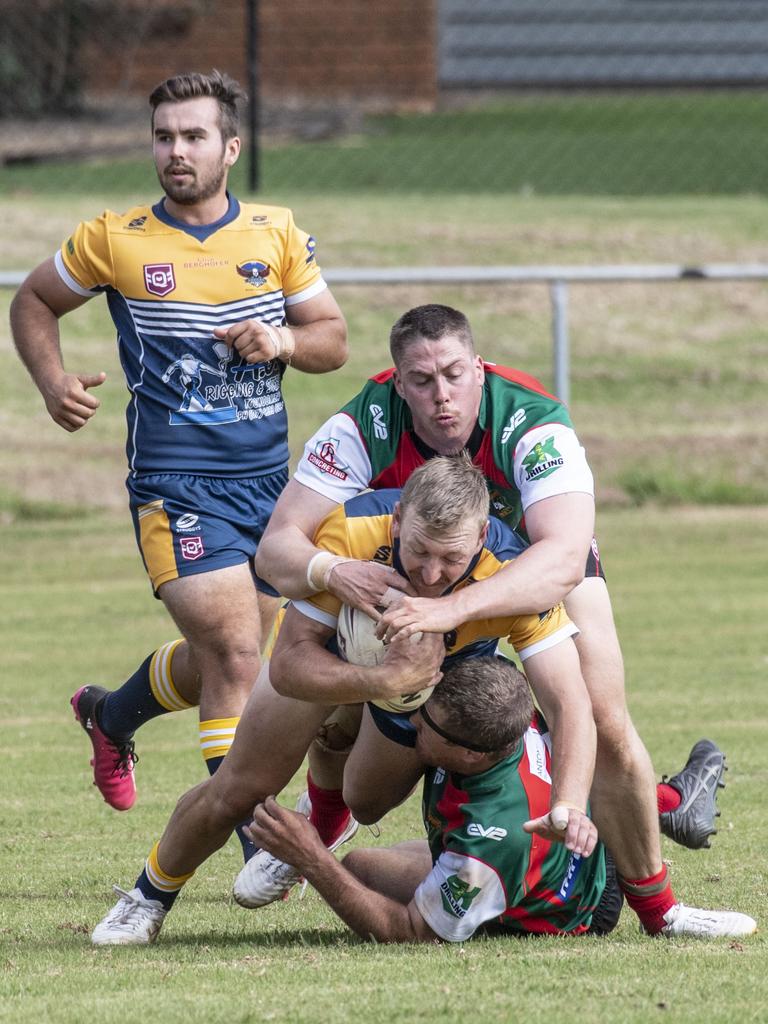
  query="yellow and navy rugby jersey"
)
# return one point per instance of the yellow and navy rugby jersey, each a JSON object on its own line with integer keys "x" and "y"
{"x": 362, "y": 528}
{"x": 196, "y": 407}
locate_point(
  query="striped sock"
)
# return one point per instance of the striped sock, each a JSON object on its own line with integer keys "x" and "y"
{"x": 216, "y": 736}
{"x": 650, "y": 898}
{"x": 149, "y": 692}
{"x": 156, "y": 884}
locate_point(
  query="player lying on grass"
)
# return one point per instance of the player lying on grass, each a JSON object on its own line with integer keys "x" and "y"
{"x": 486, "y": 762}
{"x": 437, "y": 533}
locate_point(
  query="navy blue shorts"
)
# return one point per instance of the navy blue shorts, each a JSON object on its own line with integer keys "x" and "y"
{"x": 395, "y": 725}
{"x": 192, "y": 524}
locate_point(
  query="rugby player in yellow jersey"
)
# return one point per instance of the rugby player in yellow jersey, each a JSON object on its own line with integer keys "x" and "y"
{"x": 438, "y": 552}
{"x": 212, "y": 300}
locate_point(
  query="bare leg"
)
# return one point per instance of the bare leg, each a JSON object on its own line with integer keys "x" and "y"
{"x": 395, "y": 871}
{"x": 231, "y": 639}
{"x": 624, "y": 788}
{"x": 331, "y": 747}
{"x": 379, "y": 775}
{"x": 270, "y": 743}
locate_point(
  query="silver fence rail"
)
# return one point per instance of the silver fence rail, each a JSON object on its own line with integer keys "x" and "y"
{"x": 558, "y": 278}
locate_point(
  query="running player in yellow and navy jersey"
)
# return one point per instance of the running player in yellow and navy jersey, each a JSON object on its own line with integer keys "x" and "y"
{"x": 212, "y": 300}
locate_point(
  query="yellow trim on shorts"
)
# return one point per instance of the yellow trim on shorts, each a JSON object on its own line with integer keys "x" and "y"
{"x": 161, "y": 679}
{"x": 217, "y": 736}
{"x": 161, "y": 879}
{"x": 156, "y": 542}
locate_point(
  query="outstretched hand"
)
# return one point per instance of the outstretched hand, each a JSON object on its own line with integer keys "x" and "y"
{"x": 287, "y": 835}
{"x": 566, "y": 825}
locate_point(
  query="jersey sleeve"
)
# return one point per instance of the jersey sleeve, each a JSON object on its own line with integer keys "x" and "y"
{"x": 302, "y": 279}
{"x": 458, "y": 895}
{"x": 530, "y": 634}
{"x": 335, "y": 462}
{"x": 549, "y": 460}
{"x": 84, "y": 262}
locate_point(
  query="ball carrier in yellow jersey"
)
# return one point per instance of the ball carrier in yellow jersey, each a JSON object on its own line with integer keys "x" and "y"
{"x": 212, "y": 300}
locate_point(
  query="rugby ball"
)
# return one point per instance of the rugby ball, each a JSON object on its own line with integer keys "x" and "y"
{"x": 358, "y": 644}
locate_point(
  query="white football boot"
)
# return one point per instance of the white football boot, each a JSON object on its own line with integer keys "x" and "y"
{"x": 706, "y": 924}
{"x": 265, "y": 879}
{"x": 133, "y": 921}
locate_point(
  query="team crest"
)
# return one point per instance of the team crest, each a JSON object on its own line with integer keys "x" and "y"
{"x": 311, "y": 246}
{"x": 191, "y": 548}
{"x": 254, "y": 271}
{"x": 159, "y": 278}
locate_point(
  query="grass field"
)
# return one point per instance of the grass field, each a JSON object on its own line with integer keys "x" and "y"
{"x": 669, "y": 395}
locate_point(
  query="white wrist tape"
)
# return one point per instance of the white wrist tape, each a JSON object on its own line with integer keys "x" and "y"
{"x": 283, "y": 340}
{"x": 320, "y": 568}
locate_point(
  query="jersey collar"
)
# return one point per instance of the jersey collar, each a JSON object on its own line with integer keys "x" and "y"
{"x": 472, "y": 446}
{"x": 199, "y": 231}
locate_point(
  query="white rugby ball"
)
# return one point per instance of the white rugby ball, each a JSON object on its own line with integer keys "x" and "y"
{"x": 359, "y": 645}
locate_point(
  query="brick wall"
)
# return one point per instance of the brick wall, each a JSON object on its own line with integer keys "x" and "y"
{"x": 379, "y": 54}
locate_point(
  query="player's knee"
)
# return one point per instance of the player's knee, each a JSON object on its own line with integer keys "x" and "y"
{"x": 231, "y": 801}
{"x": 364, "y": 806}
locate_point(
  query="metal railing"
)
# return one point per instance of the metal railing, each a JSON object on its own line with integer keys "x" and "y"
{"x": 557, "y": 277}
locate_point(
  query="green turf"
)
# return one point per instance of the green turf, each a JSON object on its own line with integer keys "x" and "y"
{"x": 693, "y": 143}
{"x": 668, "y": 390}
{"x": 691, "y": 606}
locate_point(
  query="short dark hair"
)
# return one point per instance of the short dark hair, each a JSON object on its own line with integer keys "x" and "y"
{"x": 193, "y": 85}
{"x": 486, "y": 701}
{"x": 431, "y": 322}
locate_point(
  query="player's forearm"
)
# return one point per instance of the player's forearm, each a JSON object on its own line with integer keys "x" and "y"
{"x": 35, "y": 330}
{"x": 321, "y": 346}
{"x": 369, "y": 914}
{"x": 306, "y": 671}
{"x": 282, "y": 559}
{"x": 574, "y": 744}
{"x": 535, "y": 581}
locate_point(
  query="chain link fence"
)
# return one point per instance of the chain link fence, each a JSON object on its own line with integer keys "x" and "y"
{"x": 603, "y": 97}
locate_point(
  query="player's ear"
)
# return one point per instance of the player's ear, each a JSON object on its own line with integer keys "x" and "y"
{"x": 483, "y": 535}
{"x": 398, "y": 384}
{"x": 396, "y": 520}
{"x": 232, "y": 151}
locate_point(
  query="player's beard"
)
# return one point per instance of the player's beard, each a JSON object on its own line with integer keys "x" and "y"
{"x": 197, "y": 189}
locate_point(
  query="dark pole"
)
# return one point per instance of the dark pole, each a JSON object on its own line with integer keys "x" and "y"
{"x": 252, "y": 56}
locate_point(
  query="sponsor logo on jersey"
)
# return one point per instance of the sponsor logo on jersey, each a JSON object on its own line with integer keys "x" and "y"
{"x": 259, "y": 218}
{"x": 383, "y": 554}
{"x": 439, "y": 777}
{"x": 379, "y": 426}
{"x": 325, "y": 458}
{"x": 255, "y": 272}
{"x": 569, "y": 880}
{"x": 70, "y": 247}
{"x": 187, "y": 521}
{"x": 457, "y": 896}
{"x": 191, "y": 548}
{"x": 136, "y": 224}
{"x": 542, "y": 460}
{"x": 159, "y": 278}
{"x": 536, "y": 751}
{"x": 491, "y": 832}
{"x": 514, "y": 422}
{"x": 311, "y": 246}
